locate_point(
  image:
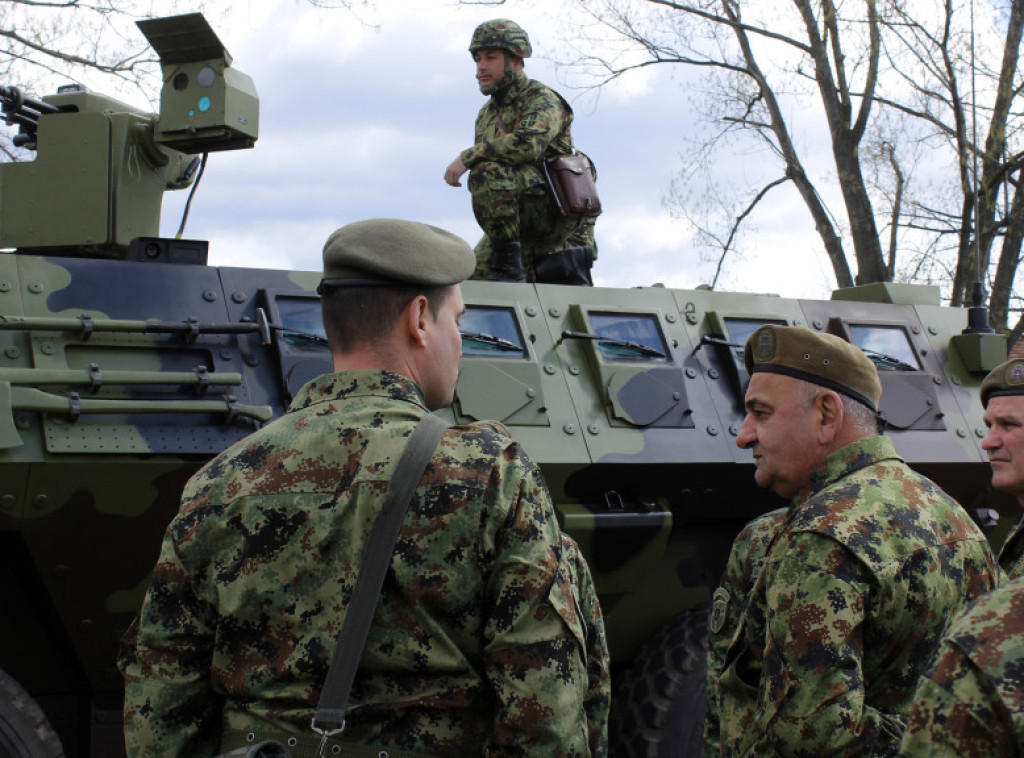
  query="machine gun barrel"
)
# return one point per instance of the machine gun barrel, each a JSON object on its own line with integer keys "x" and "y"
{"x": 23, "y": 111}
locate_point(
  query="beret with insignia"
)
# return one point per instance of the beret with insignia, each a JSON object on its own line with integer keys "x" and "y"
{"x": 1005, "y": 379}
{"x": 819, "y": 358}
{"x": 383, "y": 252}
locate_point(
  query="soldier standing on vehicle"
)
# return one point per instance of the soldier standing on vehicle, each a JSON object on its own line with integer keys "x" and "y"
{"x": 487, "y": 638}
{"x": 859, "y": 583}
{"x": 970, "y": 703}
{"x": 1002, "y": 395}
{"x": 525, "y": 235}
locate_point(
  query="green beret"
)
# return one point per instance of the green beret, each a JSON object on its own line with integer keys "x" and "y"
{"x": 1005, "y": 379}
{"x": 822, "y": 359}
{"x": 379, "y": 252}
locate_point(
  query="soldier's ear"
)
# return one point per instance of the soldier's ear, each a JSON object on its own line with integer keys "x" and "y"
{"x": 415, "y": 320}
{"x": 831, "y": 414}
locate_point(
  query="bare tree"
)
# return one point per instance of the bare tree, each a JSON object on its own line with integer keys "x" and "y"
{"x": 954, "y": 93}
{"x": 810, "y": 49}
{"x": 900, "y": 95}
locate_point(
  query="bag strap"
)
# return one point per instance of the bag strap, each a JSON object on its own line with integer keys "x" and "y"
{"x": 379, "y": 548}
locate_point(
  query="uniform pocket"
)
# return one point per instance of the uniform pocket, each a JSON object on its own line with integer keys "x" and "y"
{"x": 564, "y": 594}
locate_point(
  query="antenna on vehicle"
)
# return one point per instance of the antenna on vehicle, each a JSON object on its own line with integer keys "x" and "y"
{"x": 977, "y": 313}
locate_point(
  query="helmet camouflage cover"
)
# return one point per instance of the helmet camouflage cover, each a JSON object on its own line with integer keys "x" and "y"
{"x": 501, "y": 34}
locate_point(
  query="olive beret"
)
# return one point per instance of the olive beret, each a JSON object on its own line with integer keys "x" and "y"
{"x": 379, "y": 252}
{"x": 1005, "y": 379}
{"x": 815, "y": 357}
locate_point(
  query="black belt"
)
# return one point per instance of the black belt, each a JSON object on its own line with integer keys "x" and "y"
{"x": 303, "y": 746}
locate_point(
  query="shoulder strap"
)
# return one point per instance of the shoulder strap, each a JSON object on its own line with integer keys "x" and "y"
{"x": 379, "y": 548}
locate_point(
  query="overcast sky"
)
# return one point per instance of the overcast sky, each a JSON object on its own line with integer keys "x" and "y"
{"x": 360, "y": 119}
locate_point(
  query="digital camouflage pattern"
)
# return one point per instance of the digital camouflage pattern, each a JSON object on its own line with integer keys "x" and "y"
{"x": 501, "y": 34}
{"x": 970, "y": 704}
{"x": 511, "y": 198}
{"x": 480, "y": 644}
{"x": 1011, "y": 554}
{"x": 747, "y": 556}
{"x": 871, "y": 564}
{"x": 597, "y": 702}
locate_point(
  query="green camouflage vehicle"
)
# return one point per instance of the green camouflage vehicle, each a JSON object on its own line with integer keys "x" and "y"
{"x": 126, "y": 363}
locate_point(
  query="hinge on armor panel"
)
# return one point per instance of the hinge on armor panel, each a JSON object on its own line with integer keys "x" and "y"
{"x": 613, "y": 501}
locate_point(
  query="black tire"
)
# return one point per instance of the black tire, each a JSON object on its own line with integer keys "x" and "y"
{"x": 25, "y": 731}
{"x": 658, "y": 704}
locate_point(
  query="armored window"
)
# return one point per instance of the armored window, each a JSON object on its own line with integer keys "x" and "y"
{"x": 629, "y": 337}
{"x": 888, "y": 347}
{"x": 301, "y": 321}
{"x": 491, "y": 332}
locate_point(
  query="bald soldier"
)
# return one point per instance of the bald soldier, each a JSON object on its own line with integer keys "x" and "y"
{"x": 487, "y": 639}
{"x": 861, "y": 578}
{"x": 1002, "y": 395}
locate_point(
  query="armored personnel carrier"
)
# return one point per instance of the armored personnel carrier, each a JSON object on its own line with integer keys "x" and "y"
{"x": 126, "y": 362}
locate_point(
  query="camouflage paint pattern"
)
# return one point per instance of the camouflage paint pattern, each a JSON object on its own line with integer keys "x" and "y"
{"x": 482, "y": 642}
{"x": 748, "y": 554}
{"x": 970, "y": 703}
{"x": 74, "y": 491}
{"x": 858, "y": 586}
{"x": 511, "y": 198}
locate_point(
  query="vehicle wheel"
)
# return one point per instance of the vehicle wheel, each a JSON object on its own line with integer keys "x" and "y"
{"x": 658, "y": 704}
{"x": 24, "y": 730}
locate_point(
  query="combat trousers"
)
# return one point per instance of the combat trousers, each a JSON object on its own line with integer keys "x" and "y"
{"x": 515, "y": 203}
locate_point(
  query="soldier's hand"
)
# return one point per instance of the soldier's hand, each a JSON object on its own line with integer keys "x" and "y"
{"x": 454, "y": 171}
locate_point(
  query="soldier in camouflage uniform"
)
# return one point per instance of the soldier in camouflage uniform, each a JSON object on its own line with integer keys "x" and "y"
{"x": 525, "y": 235}
{"x": 1002, "y": 395}
{"x": 970, "y": 704}
{"x": 858, "y": 583}
{"x": 746, "y": 558}
{"x": 487, "y": 638}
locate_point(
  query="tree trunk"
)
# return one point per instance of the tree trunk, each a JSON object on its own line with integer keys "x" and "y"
{"x": 837, "y": 100}
{"x": 1009, "y": 258}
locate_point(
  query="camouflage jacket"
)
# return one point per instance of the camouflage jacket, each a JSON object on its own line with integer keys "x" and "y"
{"x": 747, "y": 556}
{"x": 970, "y": 704}
{"x": 1011, "y": 555}
{"x": 857, "y": 587}
{"x": 539, "y": 124}
{"x": 479, "y": 645}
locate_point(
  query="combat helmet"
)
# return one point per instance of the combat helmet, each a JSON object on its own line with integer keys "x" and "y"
{"x": 501, "y": 34}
